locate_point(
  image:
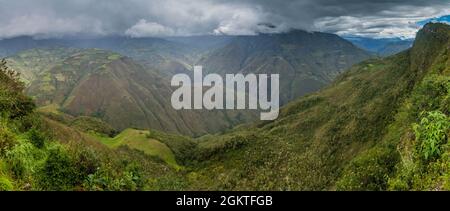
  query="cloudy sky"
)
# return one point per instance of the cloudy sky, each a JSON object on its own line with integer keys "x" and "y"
{"x": 145, "y": 18}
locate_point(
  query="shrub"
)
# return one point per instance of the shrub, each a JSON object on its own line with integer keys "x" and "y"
{"x": 57, "y": 172}
{"x": 431, "y": 135}
{"x": 432, "y": 94}
{"x": 36, "y": 138}
{"x": 12, "y": 101}
{"x": 85, "y": 162}
{"x": 7, "y": 140}
{"x": 115, "y": 178}
{"x": 24, "y": 160}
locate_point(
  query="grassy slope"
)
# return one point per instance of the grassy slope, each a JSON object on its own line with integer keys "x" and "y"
{"x": 96, "y": 131}
{"x": 344, "y": 136}
{"x": 138, "y": 139}
{"x": 307, "y": 147}
{"x": 157, "y": 174}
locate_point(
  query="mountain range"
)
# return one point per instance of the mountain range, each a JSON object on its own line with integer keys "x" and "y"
{"x": 382, "y": 46}
{"x": 383, "y": 124}
{"x": 125, "y": 81}
{"x": 306, "y": 61}
{"x": 371, "y": 129}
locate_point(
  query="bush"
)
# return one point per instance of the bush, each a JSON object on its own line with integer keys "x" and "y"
{"x": 58, "y": 172}
{"x": 432, "y": 94}
{"x": 431, "y": 135}
{"x": 36, "y": 138}
{"x": 24, "y": 160}
{"x": 12, "y": 100}
{"x": 109, "y": 178}
{"x": 7, "y": 140}
{"x": 85, "y": 162}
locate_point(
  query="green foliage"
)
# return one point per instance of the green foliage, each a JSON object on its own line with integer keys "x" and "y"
{"x": 58, "y": 172}
{"x": 84, "y": 162}
{"x": 369, "y": 171}
{"x": 12, "y": 101}
{"x": 24, "y": 160}
{"x": 222, "y": 145}
{"x": 5, "y": 184}
{"x": 432, "y": 94}
{"x": 413, "y": 174}
{"x": 431, "y": 135}
{"x": 182, "y": 147}
{"x": 140, "y": 140}
{"x": 32, "y": 161}
{"x": 93, "y": 125}
{"x": 108, "y": 179}
{"x": 7, "y": 139}
{"x": 36, "y": 137}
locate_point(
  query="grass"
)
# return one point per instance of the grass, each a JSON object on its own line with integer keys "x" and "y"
{"x": 138, "y": 139}
{"x": 52, "y": 109}
{"x": 114, "y": 57}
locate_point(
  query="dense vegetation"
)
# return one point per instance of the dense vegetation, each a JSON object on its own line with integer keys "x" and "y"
{"x": 382, "y": 125}
{"x": 32, "y": 158}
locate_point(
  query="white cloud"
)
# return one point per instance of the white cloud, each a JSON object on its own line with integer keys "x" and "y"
{"x": 149, "y": 29}
{"x": 396, "y": 22}
{"x": 241, "y": 22}
{"x": 42, "y": 26}
{"x": 235, "y": 17}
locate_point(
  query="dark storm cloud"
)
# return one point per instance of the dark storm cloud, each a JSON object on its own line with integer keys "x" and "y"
{"x": 138, "y": 18}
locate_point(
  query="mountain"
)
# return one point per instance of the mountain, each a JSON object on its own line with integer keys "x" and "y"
{"x": 166, "y": 57}
{"x": 384, "y": 124}
{"x": 31, "y": 63}
{"x": 158, "y": 54}
{"x": 12, "y": 46}
{"x": 305, "y": 61}
{"x": 67, "y": 75}
{"x": 205, "y": 42}
{"x": 116, "y": 89}
{"x": 383, "y": 46}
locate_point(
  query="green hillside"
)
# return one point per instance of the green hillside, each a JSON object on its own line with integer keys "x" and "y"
{"x": 125, "y": 92}
{"x": 119, "y": 91}
{"x": 384, "y": 124}
{"x": 37, "y": 153}
{"x": 32, "y": 62}
{"x": 139, "y": 140}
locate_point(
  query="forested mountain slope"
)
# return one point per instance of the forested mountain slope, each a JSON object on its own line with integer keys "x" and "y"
{"x": 384, "y": 124}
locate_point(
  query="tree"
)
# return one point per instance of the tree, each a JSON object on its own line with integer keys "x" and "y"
{"x": 13, "y": 102}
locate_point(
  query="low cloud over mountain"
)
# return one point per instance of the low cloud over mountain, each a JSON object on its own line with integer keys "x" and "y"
{"x": 144, "y": 18}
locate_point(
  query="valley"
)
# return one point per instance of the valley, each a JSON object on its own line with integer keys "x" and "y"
{"x": 125, "y": 82}
{"x": 348, "y": 121}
